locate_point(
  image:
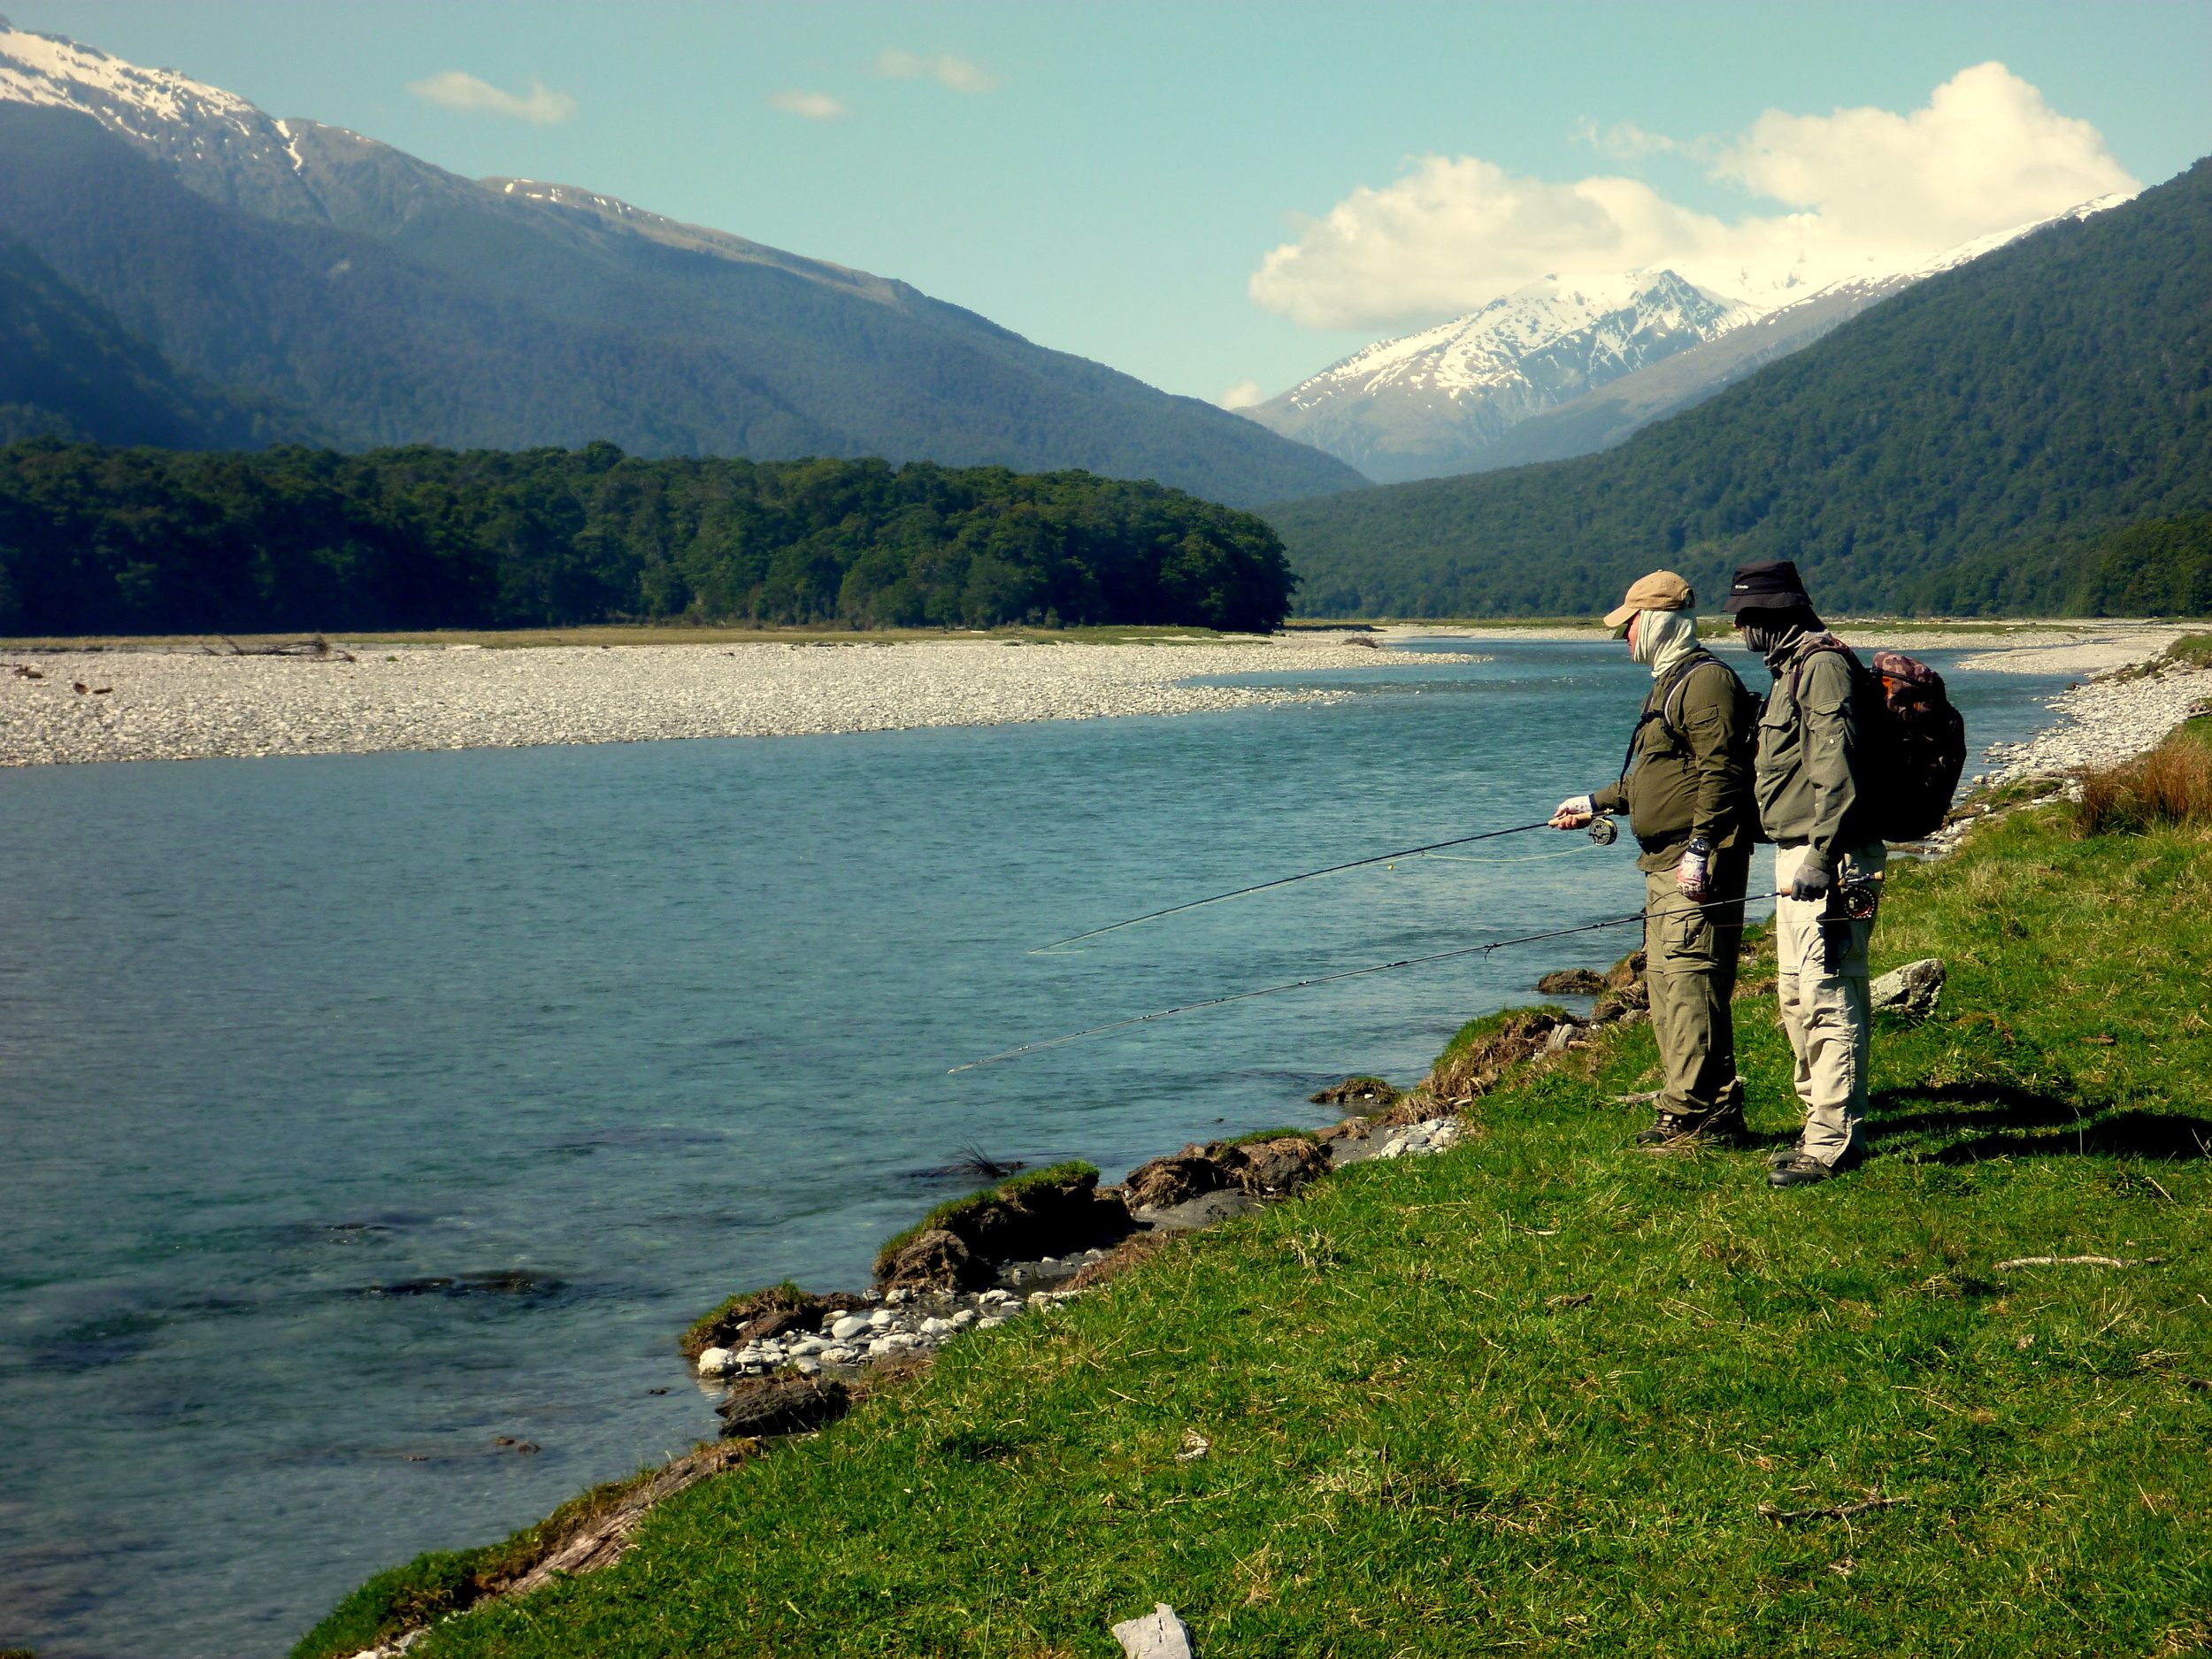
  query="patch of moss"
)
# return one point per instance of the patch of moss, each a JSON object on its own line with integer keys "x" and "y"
{"x": 435, "y": 1586}
{"x": 973, "y": 1203}
{"x": 1052, "y": 1175}
{"x": 1489, "y": 1025}
{"x": 422, "y": 1591}
{"x": 1258, "y": 1136}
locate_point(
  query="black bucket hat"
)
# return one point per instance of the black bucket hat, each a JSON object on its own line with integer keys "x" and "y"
{"x": 1769, "y": 585}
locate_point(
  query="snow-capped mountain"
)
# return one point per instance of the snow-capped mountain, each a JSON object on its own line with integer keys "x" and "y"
{"x": 304, "y": 173}
{"x": 1571, "y": 364}
{"x": 219, "y": 145}
{"x": 1422, "y": 405}
{"x": 384, "y": 300}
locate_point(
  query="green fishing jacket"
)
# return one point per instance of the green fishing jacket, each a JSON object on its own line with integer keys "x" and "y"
{"x": 1689, "y": 764}
{"x": 1810, "y": 753}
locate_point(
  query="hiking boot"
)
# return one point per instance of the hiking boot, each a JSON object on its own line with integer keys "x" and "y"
{"x": 1801, "y": 1171}
{"x": 1678, "y": 1131}
{"x": 1725, "y": 1124}
{"x": 1787, "y": 1152}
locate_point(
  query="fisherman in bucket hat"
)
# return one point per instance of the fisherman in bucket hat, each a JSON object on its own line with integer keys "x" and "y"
{"x": 1813, "y": 787}
{"x": 1686, "y": 785}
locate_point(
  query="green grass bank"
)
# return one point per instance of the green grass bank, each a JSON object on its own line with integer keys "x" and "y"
{"x": 1540, "y": 1394}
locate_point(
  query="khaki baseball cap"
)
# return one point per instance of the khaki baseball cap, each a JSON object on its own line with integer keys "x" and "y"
{"x": 1662, "y": 590}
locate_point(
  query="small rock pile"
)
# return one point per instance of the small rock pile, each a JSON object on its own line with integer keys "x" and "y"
{"x": 1437, "y": 1134}
{"x": 904, "y": 1323}
{"x": 962, "y": 1246}
{"x": 1279, "y": 1164}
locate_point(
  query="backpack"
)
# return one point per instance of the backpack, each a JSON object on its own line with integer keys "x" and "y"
{"x": 1915, "y": 740}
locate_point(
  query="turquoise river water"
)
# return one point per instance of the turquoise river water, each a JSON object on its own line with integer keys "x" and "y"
{"x": 361, "y": 1109}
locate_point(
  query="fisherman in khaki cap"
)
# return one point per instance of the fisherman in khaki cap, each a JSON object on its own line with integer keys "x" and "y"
{"x": 1686, "y": 784}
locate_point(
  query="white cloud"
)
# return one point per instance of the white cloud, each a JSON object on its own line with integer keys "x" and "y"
{"x": 816, "y": 106}
{"x": 1625, "y": 141}
{"x": 458, "y": 91}
{"x": 1985, "y": 154}
{"x": 1452, "y": 235}
{"x": 1868, "y": 185}
{"x": 1243, "y": 395}
{"x": 954, "y": 74}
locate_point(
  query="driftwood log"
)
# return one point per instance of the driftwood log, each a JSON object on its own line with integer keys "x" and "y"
{"x": 1874, "y": 1500}
{"x": 2075, "y": 1261}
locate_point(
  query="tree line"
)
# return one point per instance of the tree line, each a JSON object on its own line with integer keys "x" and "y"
{"x": 98, "y": 540}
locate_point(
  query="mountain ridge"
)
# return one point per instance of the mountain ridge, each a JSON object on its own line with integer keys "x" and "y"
{"x": 2017, "y": 406}
{"x": 1555, "y": 382}
{"x": 1405, "y": 407}
{"x": 395, "y": 303}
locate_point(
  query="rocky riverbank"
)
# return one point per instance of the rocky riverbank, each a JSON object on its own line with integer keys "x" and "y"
{"x": 1022, "y": 1247}
{"x": 2103, "y": 723}
{"x": 58, "y": 707}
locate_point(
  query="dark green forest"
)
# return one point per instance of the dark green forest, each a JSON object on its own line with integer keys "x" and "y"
{"x": 68, "y": 370}
{"x": 106, "y": 541}
{"x": 2160, "y": 568}
{"x": 1968, "y": 445}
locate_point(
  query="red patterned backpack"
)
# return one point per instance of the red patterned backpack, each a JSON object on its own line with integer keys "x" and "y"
{"x": 1917, "y": 741}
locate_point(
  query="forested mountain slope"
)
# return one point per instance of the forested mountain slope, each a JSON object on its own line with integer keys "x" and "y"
{"x": 68, "y": 368}
{"x": 394, "y": 303}
{"x": 2018, "y": 408}
{"x": 103, "y": 540}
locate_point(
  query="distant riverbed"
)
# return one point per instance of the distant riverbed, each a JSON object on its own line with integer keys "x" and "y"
{"x": 365, "y": 699}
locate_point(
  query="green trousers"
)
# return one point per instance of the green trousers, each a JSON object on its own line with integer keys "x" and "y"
{"x": 1690, "y": 963}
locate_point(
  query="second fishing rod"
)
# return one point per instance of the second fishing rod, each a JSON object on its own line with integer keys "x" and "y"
{"x": 1601, "y": 832}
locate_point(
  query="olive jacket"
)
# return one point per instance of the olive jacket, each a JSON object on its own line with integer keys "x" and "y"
{"x": 1689, "y": 768}
{"x": 1811, "y": 751}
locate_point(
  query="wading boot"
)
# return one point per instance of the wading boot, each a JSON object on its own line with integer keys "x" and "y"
{"x": 1787, "y": 1153}
{"x": 1679, "y": 1132}
{"x": 1801, "y": 1171}
{"x": 1725, "y": 1125}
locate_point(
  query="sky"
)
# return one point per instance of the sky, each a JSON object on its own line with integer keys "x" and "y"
{"x": 1223, "y": 199}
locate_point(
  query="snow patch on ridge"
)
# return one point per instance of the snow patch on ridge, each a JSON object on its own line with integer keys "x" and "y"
{"x": 49, "y": 70}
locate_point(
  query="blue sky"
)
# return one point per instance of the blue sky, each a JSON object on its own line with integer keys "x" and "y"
{"x": 1107, "y": 179}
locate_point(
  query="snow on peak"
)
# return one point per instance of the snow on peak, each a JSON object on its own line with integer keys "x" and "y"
{"x": 49, "y": 70}
{"x": 1485, "y": 349}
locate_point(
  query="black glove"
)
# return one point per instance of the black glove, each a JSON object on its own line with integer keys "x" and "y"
{"x": 1809, "y": 885}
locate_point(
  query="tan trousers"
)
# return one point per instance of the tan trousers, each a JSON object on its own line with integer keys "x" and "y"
{"x": 1690, "y": 965}
{"x": 1822, "y": 986}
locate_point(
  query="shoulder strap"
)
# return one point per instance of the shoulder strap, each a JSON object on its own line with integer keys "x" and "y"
{"x": 1827, "y": 644}
{"x": 1670, "y": 691}
{"x": 1681, "y": 683}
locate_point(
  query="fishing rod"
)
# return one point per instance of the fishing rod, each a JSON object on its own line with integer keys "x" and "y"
{"x": 1602, "y": 830}
{"x": 1854, "y": 902}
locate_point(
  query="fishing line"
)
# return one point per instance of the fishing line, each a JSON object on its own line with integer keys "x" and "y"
{"x": 1533, "y": 858}
{"x": 1856, "y": 902}
{"x": 1601, "y": 832}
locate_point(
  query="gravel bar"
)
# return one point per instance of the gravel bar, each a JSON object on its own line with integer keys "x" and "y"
{"x": 2102, "y": 724}
{"x": 67, "y": 707}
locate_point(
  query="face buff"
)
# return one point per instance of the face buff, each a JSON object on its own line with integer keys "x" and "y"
{"x": 1663, "y": 639}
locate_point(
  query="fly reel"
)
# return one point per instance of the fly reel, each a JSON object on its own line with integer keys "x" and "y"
{"x": 1604, "y": 832}
{"x": 1856, "y": 901}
